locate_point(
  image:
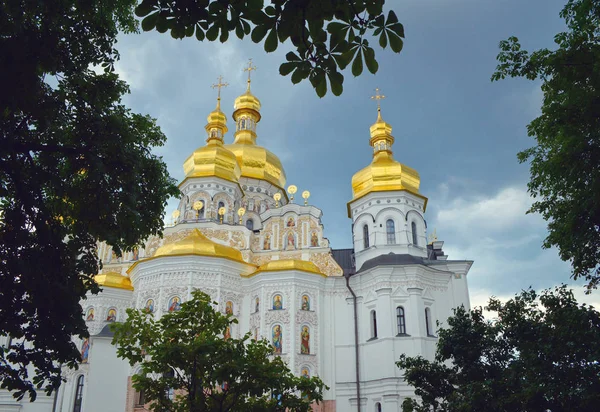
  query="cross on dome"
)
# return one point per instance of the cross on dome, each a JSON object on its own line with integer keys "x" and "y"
{"x": 218, "y": 86}
{"x": 249, "y": 70}
{"x": 378, "y": 98}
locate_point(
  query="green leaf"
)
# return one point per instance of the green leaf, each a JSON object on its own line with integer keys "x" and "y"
{"x": 224, "y": 35}
{"x": 259, "y": 33}
{"x": 336, "y": 79}
{"x": 271, "y": 41}
{"x": 212, "y": 33}
{"x": 396, "y": 42}
{"x": 189, "y": 31}
{"x": 392, "y": 18}
{"x": 199, "y": 33}
{"x": 321, "y": 87}
{"x": 162, "y": 25}
{"x": 383, "y": 40}
{"x": 239, "y": 32}
{"x": 299, "y": 75}
{"x": 357, "y": 65}
{"x": 287, "y": 68}
{"x": 143, "y": 9}
{"x": 370, "y": 61}
{"x": 149, "y": 22}
{"x": 292, "y": 57}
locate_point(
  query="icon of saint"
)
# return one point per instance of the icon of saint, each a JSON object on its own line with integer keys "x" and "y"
{"x": 305, "y": 340}
{"x": 305, "y": 302}
{"x": 112, "y": 315}
{"x": 90, "y": 314}
{"x": 314, "y": 240}
{"x": 174, "y": 304}
{"x": 229, "y": 307}
{"x": 277, "y": 303}
{"x": 277, "y": 344}
{"x": 85, "y": 351}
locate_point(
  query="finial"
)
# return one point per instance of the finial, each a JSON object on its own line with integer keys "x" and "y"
{"x": 291, "y": 190}
{"x": 197, "y": 206}
{"x": 305, "y": 196}
{"x": 378, "y": 97}
{"x": 249, "y": 70}
{"x": 218, "y": 86}
{"x": 277, "y": 197}
{"x": 433, "y": 237}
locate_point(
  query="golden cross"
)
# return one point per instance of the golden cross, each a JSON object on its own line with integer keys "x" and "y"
{"x": 218, "y": 86}
{"x": 378, "y": 97}
{"x": 249, "y": 70}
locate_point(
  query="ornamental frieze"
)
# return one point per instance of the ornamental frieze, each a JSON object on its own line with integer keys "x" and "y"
{"x": 326, "y": 263}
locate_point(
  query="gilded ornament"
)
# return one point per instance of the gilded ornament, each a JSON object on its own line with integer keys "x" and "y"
{"x": 305, "y": 196}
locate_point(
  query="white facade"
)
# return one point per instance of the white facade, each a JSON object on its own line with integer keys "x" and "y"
{"x": 395, "y": 273}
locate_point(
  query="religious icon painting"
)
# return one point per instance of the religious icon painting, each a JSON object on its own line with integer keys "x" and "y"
{"x": 149, "y": 306}
{"x": 256, "y": 304}
{"x": 229, "y": 307}
{"x": 277, "y": 302}
{"x": 90, "y": 314}
{"x": 136, "y": 254}
{"x": 305, "y": 340}
{"x": 277, "y": 339}
{"x": 227, "y": 334}
{"x": 314, "y": 240}
{"x": 111, "y": 315}
{"x": 85, "y": 351}
{"x": 305, "y": 302}
{"x": 305, "y": 373}
{"x": 290, "y": 222}
{"x": 174, "y": 304}
{"x": 291, "y": 241}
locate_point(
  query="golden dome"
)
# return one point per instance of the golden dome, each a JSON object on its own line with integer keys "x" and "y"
{"x": 199, "y": 245}
{"x": 113, "y": 280}
{"x": 255, "y": 161}
{"x": 213, "y": 159}
{"x": 288, "y": 264}
{"x": 384, "y": 173}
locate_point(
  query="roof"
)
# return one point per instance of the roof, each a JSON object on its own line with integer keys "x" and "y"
{"x": 106, "y": 332}
{"x": 345, "y": 258}
{"x": 392, "y": 259}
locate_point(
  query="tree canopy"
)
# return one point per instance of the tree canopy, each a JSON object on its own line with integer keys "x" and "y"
{"x": 325, "y": 35}
{"x": 532, "y": 357}
{"x": 76, "y": 167}
{"x": 565, "y": 163}
{"x": 188, "y": 353}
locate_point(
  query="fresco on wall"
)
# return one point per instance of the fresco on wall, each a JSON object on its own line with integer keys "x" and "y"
{"x": 256, "y": 304}
{"x": 174, "y": 304}
{"x": 305, "y": 340}
{"x": 305, "y": 372}
{"x": 314, "y": 240}
{"x": 277, "y": 302}
{"x": 277, "y": 339}
{"x": 227, "y": 334}
{"x": 229, "y": 307}
{"x": 112, "y": 315}
{"x": 85, "y": 351}
{"x": 90, "y": 314}
{"x": 149, "y": 306}
{"x": 305, "y": 302}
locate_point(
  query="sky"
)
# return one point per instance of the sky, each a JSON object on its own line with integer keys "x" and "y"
{"x": 459, "y": 130}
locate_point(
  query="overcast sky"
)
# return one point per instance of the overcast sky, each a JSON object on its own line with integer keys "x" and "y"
{"x": 457, "y": 129}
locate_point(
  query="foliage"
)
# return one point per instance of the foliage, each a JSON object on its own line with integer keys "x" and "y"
{"x": 532, "y": 357}
{"x": 326, "y": 35}
{"x": 184, "y": 352}
{"x": 565, "y": 163}
{"x": 75, "y": 168}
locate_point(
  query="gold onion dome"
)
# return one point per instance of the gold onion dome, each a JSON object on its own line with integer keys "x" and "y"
{"x": 384, "y": 173}
{"x": 288, "y": 264}
{"x": 255, "y": 161}
{"x": 197, "y": 244}
{"x": 113, "y": 280}
{"x": 214, "y": 159}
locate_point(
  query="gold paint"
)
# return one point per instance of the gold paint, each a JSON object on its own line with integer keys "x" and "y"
{"x": 214, "y": 159}
{"x": 198, "y": 245}
{"x": 326, "y": 263}
{"x": 384, "y": 173}
{"x": 255, "y": 161}
{"x": 288, "y": 264}
{"x": 113, "y": 280}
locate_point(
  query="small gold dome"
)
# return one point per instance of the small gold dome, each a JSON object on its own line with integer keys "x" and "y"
{"x": 199, "y": 245}
{"x": 213, "y": 159}
{"x": 255, "y": 161}
{"x": 113, "y": 280}
{"x": 384, "y": 173}
{"x": 288, "y": 264}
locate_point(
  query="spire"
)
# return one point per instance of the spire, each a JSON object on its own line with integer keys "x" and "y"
{"x": 249, "y": 70}
{"x": 217, "y": 121}
{"x": 381, "y": 132}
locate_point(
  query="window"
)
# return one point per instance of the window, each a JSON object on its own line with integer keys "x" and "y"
{"x": 428, "y": 322}
{"x": 170, "y": 392}
{"x": 390, "y": 229}
{"x": 221, "y": 204}
{"x": 250, "y": 224}
{"x": 140, "y": 399}
{"x": 401, "y": 320}
{"x": 365, "y": 236}
{"x": 378, "y": 407}
{"x": 78, "y": 395}
{"x": 413, "y": 228}
{"x": 373, "y": 324}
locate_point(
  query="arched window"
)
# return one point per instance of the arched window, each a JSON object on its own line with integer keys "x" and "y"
{"x": 373, "y": 324}
{"x": 365, "y": 236}
{"x": 78, "y": 395}
{"x": 428, "y": 325}
{"x": 250, "y": 224}
{"x": 401, "y": 320}
{"x": 242, "y": 124}
{"x": 390, "y": 230}
{"x": 140, "y": 399}
{"x": 378, "y": 407}
{"x": 413, "y": 228}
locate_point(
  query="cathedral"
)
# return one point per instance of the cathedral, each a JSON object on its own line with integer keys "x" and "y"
{"x": 258, "y": 248}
